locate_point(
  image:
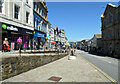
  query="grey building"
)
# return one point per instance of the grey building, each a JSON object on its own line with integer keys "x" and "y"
{"x": 96, "y": 41}
{"x": 111, "y": 30}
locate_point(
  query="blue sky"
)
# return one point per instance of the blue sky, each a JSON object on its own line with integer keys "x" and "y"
{"x": 80, "y": 20}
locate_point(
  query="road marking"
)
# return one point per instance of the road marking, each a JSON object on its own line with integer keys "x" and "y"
{"x": 100, "y": 58}
{"x": 107, "y": 61}
{"x": 107, "y": 76}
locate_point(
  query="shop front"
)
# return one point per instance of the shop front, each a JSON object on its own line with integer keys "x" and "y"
{"x": 53, "y": 45}
{"x": 12, "y": 33}
{"x": 40, "y": 40}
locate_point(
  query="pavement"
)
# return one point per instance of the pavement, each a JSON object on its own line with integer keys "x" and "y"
{"x": 77, "y": 70}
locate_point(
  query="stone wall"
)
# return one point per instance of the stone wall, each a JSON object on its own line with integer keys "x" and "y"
{"x": 12, "y": 66}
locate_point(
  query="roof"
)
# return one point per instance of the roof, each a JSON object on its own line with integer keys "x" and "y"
{"x": 102, "y": 16}
{"x": 98, "y": 35}
{"x": 111, "y": 4}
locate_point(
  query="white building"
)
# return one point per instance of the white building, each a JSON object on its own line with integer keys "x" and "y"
{"x": 63, "y": 39}
{"x": 16, "y": 19}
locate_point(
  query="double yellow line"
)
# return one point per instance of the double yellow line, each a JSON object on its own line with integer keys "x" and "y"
{"x": 107, "y": 76}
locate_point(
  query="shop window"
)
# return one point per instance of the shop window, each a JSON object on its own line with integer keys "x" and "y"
{"x": 17, "y": 9}
{"x": 27, "y": 17}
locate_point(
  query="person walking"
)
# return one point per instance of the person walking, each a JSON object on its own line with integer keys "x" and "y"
{"x": 6, "y": 45}
{"x": 74, "y": 51}
{"x": 19, "y": 41}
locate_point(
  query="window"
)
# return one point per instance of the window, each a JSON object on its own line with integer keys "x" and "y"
{"x": 42, "y": 13}
{"x": 37, "y": 7}
{"x": 17, "y": 9}
{"x": 39, "y": 10}
{"x": 34, "y": 5}
{"x": 1, "y": 3}
{"x": 44, "y": 27}
{"x": 116, "y": 18}
{"x": 27, "y": 17}
{"x": 110, "y": 19}
{"x": 27, "y": 1}
{"x": 37, "y": 25}
{"x": 34, "y": 22}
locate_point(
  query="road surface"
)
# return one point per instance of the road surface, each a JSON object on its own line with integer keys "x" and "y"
{"x": 107, "y": 64}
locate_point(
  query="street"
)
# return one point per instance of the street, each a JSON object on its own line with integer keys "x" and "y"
{"x": 108, "y": 65}
{"x": 63, "y": 41}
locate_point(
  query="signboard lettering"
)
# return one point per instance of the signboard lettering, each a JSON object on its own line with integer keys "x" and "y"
{"x": 28, "y": 32}
{"x": 12, "y": 28}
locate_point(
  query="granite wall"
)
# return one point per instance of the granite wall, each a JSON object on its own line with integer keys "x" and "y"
{"x": 12, "y": 66}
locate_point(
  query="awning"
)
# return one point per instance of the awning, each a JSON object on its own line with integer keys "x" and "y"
{"x": 53, "y": 42}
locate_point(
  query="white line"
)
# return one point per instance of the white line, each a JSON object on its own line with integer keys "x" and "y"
{"x": 107, "y": 61}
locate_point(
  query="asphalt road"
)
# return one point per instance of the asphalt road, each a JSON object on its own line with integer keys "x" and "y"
{"x": 108, "y": 65}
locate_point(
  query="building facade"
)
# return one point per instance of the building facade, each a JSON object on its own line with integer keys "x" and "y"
{"x": 48, "y": 44}
{"x": 28, "y": 19}
{"x": 40, "y": 24}
{"x": 16, "y": 20}
{"x": 52, "y": 42}
{"x": 96, "y": 41}
{"x": 111, "y": 30}
{"x": 63, "y": 38}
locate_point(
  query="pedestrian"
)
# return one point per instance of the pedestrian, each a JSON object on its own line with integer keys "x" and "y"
{"x": 74, "y": 51}
{"x": 6, "y": 45}
{"x": 19, "y": 42}
{"x": 35, "y": 45}
{"x": 67, "y": 50}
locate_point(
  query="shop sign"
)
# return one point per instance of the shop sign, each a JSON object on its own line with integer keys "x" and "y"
{"x": 4, "y": 26}
{"x": 25, "y": 31}
{"x": 18, "y": 29}
{"x": 38, "y": 34}
{"x": 12, "y": 28}
{"x": 28, "y": 32}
